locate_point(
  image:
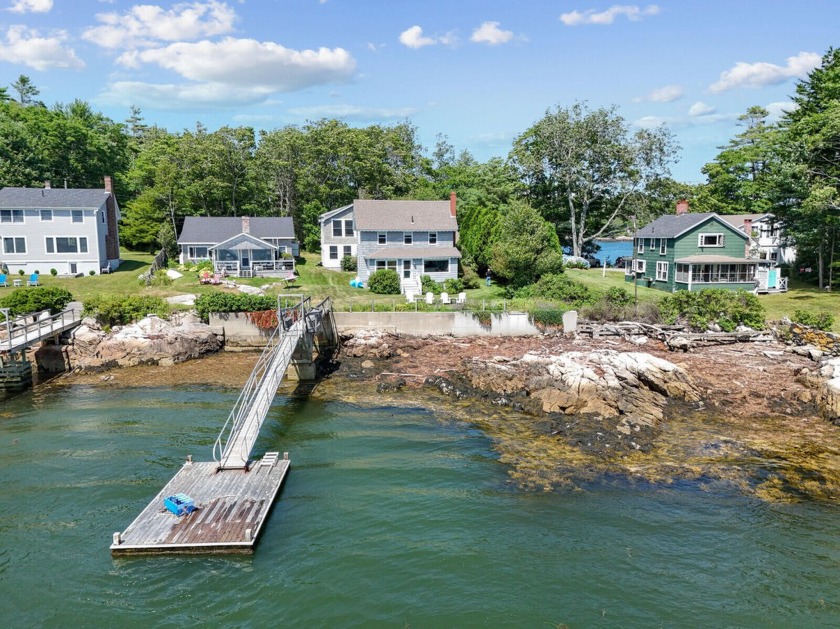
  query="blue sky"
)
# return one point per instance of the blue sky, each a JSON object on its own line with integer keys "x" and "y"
{"x": 479, "y": 72}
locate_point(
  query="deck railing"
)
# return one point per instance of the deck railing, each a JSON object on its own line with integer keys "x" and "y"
{"x": 20, "y": 332}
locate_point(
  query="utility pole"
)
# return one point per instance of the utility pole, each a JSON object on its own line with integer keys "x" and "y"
{"x": 633, "y": 269}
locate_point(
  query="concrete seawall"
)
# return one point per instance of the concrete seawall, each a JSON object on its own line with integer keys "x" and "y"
{"x": 446, "y": 323}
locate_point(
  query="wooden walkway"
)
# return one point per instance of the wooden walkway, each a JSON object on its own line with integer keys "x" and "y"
{"x": 18, "y": 334}
{"x": 232, "y": 507}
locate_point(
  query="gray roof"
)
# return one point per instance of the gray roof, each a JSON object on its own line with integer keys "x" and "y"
{"x": 374, "y": 215}
{"x": 411, "y": 251}
{"x": 674, "y": 225}
{"x": 216, "y": 229}
{"x": 737, "y": 220}
{"x": 328, "y": 215}
{"x": 53, "y": 198}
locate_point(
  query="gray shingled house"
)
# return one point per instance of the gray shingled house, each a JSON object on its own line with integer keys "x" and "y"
{"x": 240, "y": 245}
{"x": 73, "y": 231}
{"x": 414, "y": 238}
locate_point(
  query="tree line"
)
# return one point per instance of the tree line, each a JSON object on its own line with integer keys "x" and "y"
{"x": 575, "y": 175}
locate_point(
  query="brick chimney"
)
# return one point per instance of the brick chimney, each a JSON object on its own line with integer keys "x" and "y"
{"x": 452, "y": 204}
{"x": 748, "y": 232}
{"x": 47, "y": 184}
{"x": 246, "y": 224}
{"x": 682, "y": 207}
{"x": 109, "y": 184}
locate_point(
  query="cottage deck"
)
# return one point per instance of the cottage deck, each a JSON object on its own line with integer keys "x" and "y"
{"x": 231, "y": 509}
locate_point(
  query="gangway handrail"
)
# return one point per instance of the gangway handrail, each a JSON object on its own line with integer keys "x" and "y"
{"x": 42, "y": 325}
{"x": 289, "y": 330}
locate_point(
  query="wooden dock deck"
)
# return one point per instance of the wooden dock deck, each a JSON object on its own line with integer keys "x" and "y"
{"x": 231, "y": 509}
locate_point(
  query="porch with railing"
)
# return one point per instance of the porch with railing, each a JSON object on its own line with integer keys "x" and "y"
{"x": 260, "y": 268}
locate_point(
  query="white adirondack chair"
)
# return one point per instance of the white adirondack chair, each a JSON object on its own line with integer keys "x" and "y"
{"x": 430, "y": 298}
{"x": 462, "y": 299}
{"x": 444, "y": 298}
{"x": 410, "y": 296}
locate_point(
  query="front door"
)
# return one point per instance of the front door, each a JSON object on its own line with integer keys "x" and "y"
{"x": 246, "y": 262}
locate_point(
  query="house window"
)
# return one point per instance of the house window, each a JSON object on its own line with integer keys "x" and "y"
{"x": 386, "y": 264}
{"x": 382, "y": 238}
{"x": 661, "y": 271}
{"x": 710, "y": 240}
{"x": 337, "y": 229}
{"x": 77, "y": 216}
{"x": 14, "y": 245}
{"x": 774, "y": 256}
{"x": 408, "y": 238}
{"x": 640, "y": 245}
{"x": 103, "y": 218}
{"x": 652, "y": 244}
{"x": 46, "y": 215}
{"x": 348, "y": 250}
{"x": 432, "y": 238}
{"x": 663, "y": 246}
{"x": 348, "y": 227}
{"x": 435, "y": 266}
{"x": 641, "y": 265}
{"x": 11, "y": 216}
{"x": 333, "y": 252}
{"x": 198, "y": 253}
{"x": 67, "y": 245}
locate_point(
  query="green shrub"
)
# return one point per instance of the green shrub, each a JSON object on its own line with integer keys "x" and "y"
{"x": 231, "y": 302}
{"x": 470, "y": 278}
{"x": 428, "y": 285}
{"x": 453, "y": 285}
{"x": 819, "y": 320}
{"x": 21, "y": 272}
{"x": 557, "y": 287}
{"x": 91, "y": 272}
{"x": 617, "y": 296}
{"x": 348, "y": 263}
{"x": 160, "y": 278}
{"x": 384, "y": 282}
{"x": 547, "y": 316}
{"x": 26, "y": 300}
{"x": 121, "y": 310}
{"x": 204, "y": 265}
{"x": 53, "y": 272}
{"x": 726, "y": 308}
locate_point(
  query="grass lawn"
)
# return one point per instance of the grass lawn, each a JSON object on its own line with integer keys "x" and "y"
{"x": 318, "y": 282}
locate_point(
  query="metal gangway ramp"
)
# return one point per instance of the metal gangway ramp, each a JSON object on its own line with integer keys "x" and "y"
{"x": 295, "y": 325}
{"x": 19, "y": 333}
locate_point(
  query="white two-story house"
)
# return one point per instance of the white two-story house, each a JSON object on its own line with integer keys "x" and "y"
{"x": 414, "y": 238}
{"x": 767, "y": 242}
{"x": 73, "y": 231}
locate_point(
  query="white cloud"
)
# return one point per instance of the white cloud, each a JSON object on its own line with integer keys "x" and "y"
{"x": 664, "y": 94}
{"x": 31, "y": 6}
{"x": 146, "y": 25}
{"x": 26, "y": 46}
{"x": 490, "y": 33}
{"x": 700, "y": 109}
{"x": 763, "y": 73}
{"x": 248, "y": 64}
{"x": 779, "y": 108}
{"x": 413, "y": 38}
{"x": 181, "y": 96}
{"x": 353, "y": 112}
{"x": 633, "y": 13}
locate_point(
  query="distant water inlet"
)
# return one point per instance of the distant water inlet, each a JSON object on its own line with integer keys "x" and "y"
{"x": 611, "y": 250}
{"x": 390, "y": 516}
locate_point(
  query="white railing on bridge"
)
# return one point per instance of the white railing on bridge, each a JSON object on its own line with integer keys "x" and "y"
{"x": 17, "y": 333}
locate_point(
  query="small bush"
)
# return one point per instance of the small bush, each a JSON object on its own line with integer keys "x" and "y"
{"x": 160, "y": 278}
{"x": 726, "y": 308}
{"x": 819, "y": 320}
{"x": 23, "y": 301}
{"x": 349, "y": 263}
{"x": 557, "y": 287}
{"x": 204, "y": 265}
{"x": 384, "y": 282}
{"x": 111, "y": 311}
{"x": 53, "y": 272}
{"x": 231, "y": 302}
{"x": 91, "y": 272}
{"x": 21, "y": 272}
{"x": 428, "y": 285}
{"x": 453, "y": 286}
{"x": 470, "y": 278}
{"x": 617, "y": 296}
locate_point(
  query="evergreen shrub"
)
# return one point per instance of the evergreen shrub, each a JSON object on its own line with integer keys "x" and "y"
{"x": 819, "y": 320}
{"x": 26, "y": 300}
{"x": 122, "y": 310}
{"x": 384, "y": 282}
{"x": 348, "y": 263}
{"x": 709, "y": 306}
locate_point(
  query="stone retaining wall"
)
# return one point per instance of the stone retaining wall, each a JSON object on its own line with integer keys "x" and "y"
{"x": 826, "y": 342}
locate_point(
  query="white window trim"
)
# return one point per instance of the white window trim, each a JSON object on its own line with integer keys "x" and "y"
{"x": 661, "y": 271}
{"x": 12, "y": 220}
{"x": 380, "y": 236}
{"x": 641, "y": 265}
{"x": 348, "y": 227}
{"x": 701, "y": 237}
{"x": 340, "y": 224}
{"x": 663, "y": 246}
{"x": 15, "y": 252}
{"x": 348, "y": 250}
{"x": 408, "y": 238}
{"x": 43, "y": 213}
{"x": 640, "y": 246}
{"x": 75, "y": 213}
{"x": 333, "y": 249}
{"x": 56, "y": 252}
{"x": 435, "y": 234}
{"x": 652, "y": 244}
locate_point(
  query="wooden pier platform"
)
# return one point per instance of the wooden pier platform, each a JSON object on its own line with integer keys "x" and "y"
{"x": 231, "y": 509}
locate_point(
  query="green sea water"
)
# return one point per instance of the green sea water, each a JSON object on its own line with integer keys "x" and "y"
{"x": 390, "y": 517}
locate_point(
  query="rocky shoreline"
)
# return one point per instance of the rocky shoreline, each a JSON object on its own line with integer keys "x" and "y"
{"x": 560, "y": 411}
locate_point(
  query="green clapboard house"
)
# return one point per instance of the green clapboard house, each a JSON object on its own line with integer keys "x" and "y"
{"x": 686, "y": 251}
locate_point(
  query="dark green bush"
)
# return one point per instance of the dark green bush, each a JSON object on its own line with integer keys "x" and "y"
{"x": 349, "y": 263}
{"x": 453, "y": 285}
{"x": 700, "y": 309}
{"x": 617, "y": 296}
{"x": 231, "y": 302}
{"x": 547, "y": 316}
{"x": 26, "y": 300}
{"x": 53, "y": 272}
{"x": 819, "y": 320}
{"x": 384, "y": 282}
{"x": 470, "y": 278}
{"x": 111, "y": 311}
{"x": 557, "y": 287}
